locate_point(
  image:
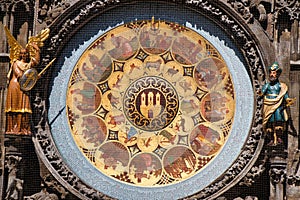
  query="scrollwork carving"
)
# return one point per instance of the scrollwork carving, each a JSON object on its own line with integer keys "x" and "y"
{"x": 255, "y": 172}
{"x": 247, "y": 8}
{"x": 242, "y": 7}
{"x": 72, "y": 24}
{"x": 50, "y": 10}
{"x": 50, "y": 190}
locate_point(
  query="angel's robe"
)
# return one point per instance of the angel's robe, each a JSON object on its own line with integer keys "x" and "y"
{"x": 18, "y": 106}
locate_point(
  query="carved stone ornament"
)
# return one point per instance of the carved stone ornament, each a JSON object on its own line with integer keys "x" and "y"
{"x": 14, "y": 188}
{"x": 51, "y": 189}
{"x": 291, "y": 7}
{"x": 254, "y": 172}
{"x": 214, "y": 10}
{"x": 268, "y": 11}
{"x": 50, "y": 10}
{"x": 9, "y": 5}
{"x": 277, "y": 175}
{"x": 293, "y": 177}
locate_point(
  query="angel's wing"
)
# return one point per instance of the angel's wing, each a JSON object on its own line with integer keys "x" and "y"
{"x": 38, "y": 39}
{"x": 14, "y": 45}
{"x": 14, "y": 51}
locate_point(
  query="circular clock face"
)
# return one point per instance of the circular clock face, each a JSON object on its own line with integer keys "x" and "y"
{"x": 150, "y": 103}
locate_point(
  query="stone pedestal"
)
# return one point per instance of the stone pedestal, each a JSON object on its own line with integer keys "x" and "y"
{"x": 278, "y": 163}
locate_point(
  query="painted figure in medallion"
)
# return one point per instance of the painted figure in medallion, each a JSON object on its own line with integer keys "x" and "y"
{"x": 22, "y": 59}
{"x": 276, "y": 101}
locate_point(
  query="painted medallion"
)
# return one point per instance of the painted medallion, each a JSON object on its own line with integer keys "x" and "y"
{"x": 150, "y": 103}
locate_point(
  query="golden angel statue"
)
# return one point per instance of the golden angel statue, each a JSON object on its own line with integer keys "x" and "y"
{"x": 18, "y": 109}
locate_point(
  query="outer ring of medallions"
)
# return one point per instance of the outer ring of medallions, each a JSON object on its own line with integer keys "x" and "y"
{"x": 154, "y": 163}
{"x": 72, "y": 155}
{"x": 217, "y": 142}
{"x": 211, "y": 65}
{"x": 222, "y": 116}
{"x": 179, "y": 154}
{"x": 109, "y": 155}
{"x": 82, "y": 105}
{"x": 98, "y": 135}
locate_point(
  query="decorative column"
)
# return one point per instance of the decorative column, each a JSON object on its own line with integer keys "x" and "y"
{"x": 4, "y": 66}
{"x": 14, "y": 174}
{"x": 278, "y": 163}
{"x": 22, "y": 169}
